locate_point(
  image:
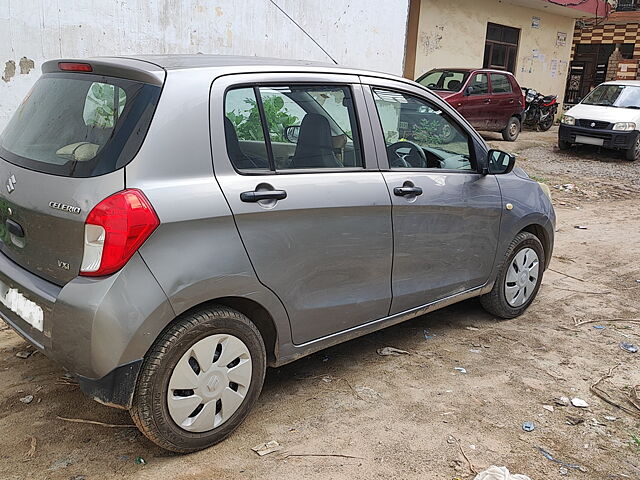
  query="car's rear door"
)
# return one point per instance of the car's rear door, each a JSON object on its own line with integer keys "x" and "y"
{"x": 503, "y": 99}
{"x": 314, "y": 216}
{"x": 446, "y": 215}
{"x": 476, "y": 104}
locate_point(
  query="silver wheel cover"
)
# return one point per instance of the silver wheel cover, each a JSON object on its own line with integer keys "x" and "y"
{"x": 522, "y": 277}
{"x": 209, "y": 383}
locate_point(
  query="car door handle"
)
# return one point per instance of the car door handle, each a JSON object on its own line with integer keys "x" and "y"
{"x": 487, "y": 100}
{"x": 512, "y": 101}
{"x": 404, "y": 191}
{"x": 14, "y": 228}
{"x": 254, "y": 196}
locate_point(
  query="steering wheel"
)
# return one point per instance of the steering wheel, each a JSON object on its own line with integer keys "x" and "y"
{"x": 415, "y": 157}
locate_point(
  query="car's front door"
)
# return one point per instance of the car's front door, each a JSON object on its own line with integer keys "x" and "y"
{"x": 446, "y": 215}
{"x": 476, "y": 104}
{"x": 314, "y": 215}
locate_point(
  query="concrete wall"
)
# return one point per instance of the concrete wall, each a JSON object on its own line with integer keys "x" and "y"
{"x": 452, "y": 34}
{"x": 360, "y": 33}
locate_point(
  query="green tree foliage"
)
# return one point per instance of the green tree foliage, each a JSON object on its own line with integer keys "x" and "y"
{"x": 248, "y": 124}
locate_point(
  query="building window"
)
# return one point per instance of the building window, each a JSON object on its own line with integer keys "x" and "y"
{"x": 501, "y": 47}
{"x": 627, "y": 5}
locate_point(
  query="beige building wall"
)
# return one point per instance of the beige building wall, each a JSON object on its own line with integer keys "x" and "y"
{"x": 452, "y": 34}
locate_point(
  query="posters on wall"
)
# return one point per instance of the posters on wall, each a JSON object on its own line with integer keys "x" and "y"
{"x": 561, "y": 39}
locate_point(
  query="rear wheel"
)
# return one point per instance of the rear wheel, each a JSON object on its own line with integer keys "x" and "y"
{"x": 200, "y": 380}
{"x": 519, "y": 278}
{"x": 564, "y": 145}
{"x": 512, "y": 130}
{"x": 633, "y": 153}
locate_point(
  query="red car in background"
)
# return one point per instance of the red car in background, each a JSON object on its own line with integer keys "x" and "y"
{"x": 489, "y": 99}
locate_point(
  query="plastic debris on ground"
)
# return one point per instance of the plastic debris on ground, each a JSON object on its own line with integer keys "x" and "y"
{"x": 598, "y": 327}
{"x": 578, "y": 402}
{"x": 548, "y": 456}
{"x": 27, "y": 400}
{"x": 628, "y": 347}
{"x": 499, "y": 473}
{"x": 548, "y": 407}
{"x": 460, "y": 369}
{"x": 528, "y": 426}
{"x": 140, "y": 461}
{"x": 427, "y": 335}
{"x": 386, "y": 351}
{"x": 267, "y": 448}
{"x": 580, "y": 227}
{"x": 25, "y": 354}
{"x": 473, "y": 329}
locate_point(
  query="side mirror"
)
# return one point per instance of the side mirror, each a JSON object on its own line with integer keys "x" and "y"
{"x": 468, "y": 91}
{"x": 499, "y": 162}
{"x": 291, "y": 133}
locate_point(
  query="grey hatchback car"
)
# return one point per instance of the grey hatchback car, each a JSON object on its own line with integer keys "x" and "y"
{"x": 172, "y": 225}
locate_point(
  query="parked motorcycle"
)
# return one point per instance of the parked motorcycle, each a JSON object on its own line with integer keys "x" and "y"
{"x": 540, "y": 111}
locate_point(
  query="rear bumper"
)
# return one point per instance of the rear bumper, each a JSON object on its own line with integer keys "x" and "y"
{"x": 96, "y": 328}
{"x": 611, "y": 139}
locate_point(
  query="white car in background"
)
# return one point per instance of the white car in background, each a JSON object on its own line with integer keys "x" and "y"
{"x": 608, "y": 117}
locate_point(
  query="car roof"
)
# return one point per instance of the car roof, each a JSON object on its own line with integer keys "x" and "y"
{"x": 634, "y": 83}
{"x": 492, "y": 70}
{"x": 206, "y": 61}
{"x": 146, "y": 66}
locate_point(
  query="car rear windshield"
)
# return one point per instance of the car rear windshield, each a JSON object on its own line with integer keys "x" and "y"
{"x": 624, "y": 96}
{"x": 448, "y": 80}
{"x": 79, "y": 125}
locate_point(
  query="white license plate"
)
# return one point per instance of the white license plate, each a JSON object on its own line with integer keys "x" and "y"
{"x": 29, "y": 311}
{"x": 589, "y": 140}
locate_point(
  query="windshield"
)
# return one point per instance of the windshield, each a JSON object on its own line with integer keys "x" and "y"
{"x": 79, "y": 125}
{"x": 447, "y": 80}
{"x": 623, "y": 96}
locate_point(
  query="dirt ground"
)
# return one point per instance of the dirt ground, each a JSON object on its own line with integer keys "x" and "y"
{"x": 409, "y": 416}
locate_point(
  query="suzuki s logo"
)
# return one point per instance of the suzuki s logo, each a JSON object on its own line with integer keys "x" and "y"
{"x": 11, "y": 183}
{"x": 65, "y": 208}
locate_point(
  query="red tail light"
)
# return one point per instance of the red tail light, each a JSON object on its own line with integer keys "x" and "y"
{"x": 114, "y": 230}
{"x": 551, "y": 102}
{"x": 75, "y": 67}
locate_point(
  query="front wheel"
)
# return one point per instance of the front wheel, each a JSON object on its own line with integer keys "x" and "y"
{"x": 546, "y": 124}
{"x": 512, "y": 130}
{"x": 563, "y": 145}
{"x": 519, "y": 278}
{"x": 633, "y": 153}
{"x": 200, "y": 379}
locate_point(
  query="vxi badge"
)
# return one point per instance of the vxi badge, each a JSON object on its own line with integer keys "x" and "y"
{"x": 65, "y": 208}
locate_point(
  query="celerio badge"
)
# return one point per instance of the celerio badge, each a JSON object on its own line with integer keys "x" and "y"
{"x": 65, "y": 208}
{"x": 11, "y": 183}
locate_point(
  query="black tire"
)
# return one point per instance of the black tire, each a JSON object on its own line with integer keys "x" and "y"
{"x": 512, "y": 130}
{"x": 150, "y": 411}
{"x": 495, "y": 302}
{"x": 633, "y": 153}
{"x": 563, "y": 145}
{"x": 545, "y": 125}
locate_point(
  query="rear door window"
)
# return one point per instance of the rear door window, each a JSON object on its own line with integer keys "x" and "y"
{"x": 285, "y": 127}
{"x": 500, "y": 83}
{"x": 79, "y": 125}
